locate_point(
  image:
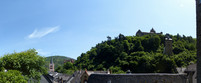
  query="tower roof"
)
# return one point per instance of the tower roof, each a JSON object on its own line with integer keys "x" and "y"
{"x": 139, "y": 31}
{"x": 167, "y": 37}
{"x": 152, "y": 30}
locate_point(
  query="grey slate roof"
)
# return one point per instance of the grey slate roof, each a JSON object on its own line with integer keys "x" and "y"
{"x": 138, "y": 78}
{"x": 44, "y": 79}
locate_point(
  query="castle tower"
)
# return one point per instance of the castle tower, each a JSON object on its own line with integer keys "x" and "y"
{"x": 51, "y": 65}
{"x": 168, "y": 46}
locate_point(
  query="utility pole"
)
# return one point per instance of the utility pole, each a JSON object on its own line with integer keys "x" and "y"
{"x": 198, "y": 25}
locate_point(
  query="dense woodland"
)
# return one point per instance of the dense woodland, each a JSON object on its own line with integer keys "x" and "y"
{"x": 139, "y": 54}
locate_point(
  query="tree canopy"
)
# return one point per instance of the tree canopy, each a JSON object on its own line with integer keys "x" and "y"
{"x": 140, "y": 54}
{"x": 12, "y": 76}
{"x": 29, "y": 63}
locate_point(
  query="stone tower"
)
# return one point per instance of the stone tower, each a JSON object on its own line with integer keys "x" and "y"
{"x": 168, "y": 45}
{"x": 51, "y": 65}
{"x": 198, "y": 24}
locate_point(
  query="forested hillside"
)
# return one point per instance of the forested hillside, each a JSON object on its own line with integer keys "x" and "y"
{"x": 58, "y": 60}
{"x": 138, "y": 54}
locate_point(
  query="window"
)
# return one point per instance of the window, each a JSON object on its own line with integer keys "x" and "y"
{"x": 51, "y": 67}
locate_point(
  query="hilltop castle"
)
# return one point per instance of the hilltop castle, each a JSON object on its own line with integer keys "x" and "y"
{"x": 168, "y": 40}
{"x": 152, "y": 31}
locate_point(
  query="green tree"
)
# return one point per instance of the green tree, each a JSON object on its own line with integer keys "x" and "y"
{"x": 116, "y": 70}
{"x": 68, "y": 65}
{"x": 164, "y": 64}
{"x": 67, "y": 68}
{"x": 28, "y": 62}
{"x": 60, "y": 69}
{"x": 138, "y": 46}
{"x": 12, "y": 76}
{"x": 185, "y": 58}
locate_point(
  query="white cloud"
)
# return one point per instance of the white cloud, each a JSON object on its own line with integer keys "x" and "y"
{"x": 43, "y": 32}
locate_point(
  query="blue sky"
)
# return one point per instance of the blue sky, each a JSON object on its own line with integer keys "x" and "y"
{"x": 72, "y": 27}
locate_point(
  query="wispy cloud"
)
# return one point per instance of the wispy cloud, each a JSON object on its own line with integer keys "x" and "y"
{"x": 43, "y": 32}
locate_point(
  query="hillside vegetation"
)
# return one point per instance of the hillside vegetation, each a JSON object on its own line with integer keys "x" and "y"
{"x": 58, "y": 60}
{"x": 139, "y": 54}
